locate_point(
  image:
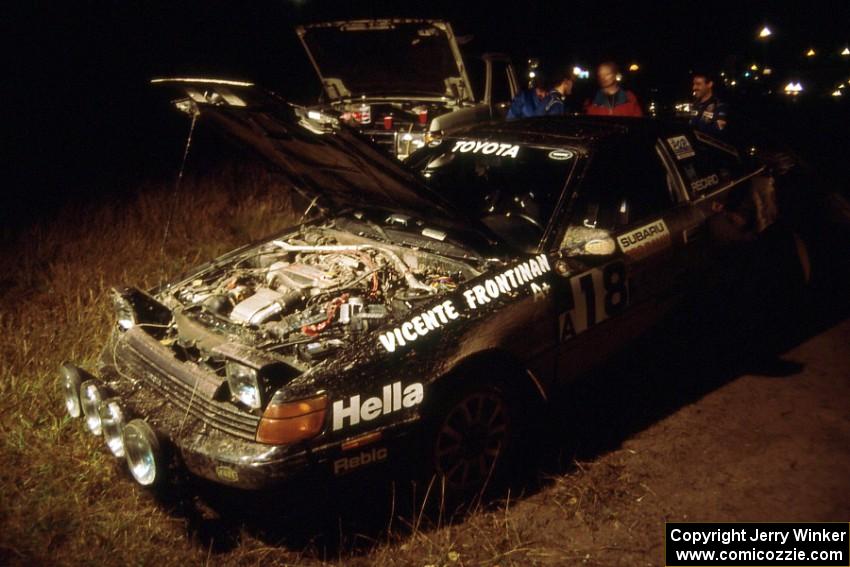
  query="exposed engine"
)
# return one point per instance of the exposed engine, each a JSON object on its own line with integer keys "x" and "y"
{"x": 307, "y": 294}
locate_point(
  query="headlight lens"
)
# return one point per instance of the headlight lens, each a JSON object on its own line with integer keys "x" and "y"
{"x": 71, "y": 389}
{"x": 243, "y": 383}
{"x": 144, "y": 457}
{"x": 289, "y": 422}
{"x": 90, "y": 398}
{"x": 112, "y": 424}
{"x": 124, "y": 312}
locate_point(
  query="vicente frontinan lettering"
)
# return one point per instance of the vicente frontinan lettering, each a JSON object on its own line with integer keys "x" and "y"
{"x": 480, "y": 294}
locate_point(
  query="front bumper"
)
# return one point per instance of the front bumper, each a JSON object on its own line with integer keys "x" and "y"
{"x": 213, "y": 439}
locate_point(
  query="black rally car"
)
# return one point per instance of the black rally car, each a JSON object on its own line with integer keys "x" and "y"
{"x": 442, "y": 306}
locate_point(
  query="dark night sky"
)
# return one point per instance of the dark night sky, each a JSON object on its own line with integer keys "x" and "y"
{"x": 81, "y": 116}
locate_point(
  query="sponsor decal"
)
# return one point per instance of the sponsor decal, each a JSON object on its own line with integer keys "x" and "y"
{"x": 419, "y": 326}
{"x": 560, "y": 154}
{"x": 227, "y": 473}
{"x": 393, "y": 398}
{"x": 644, "y": 240}
{"x": 480, "y": 294}
{"x": 705, "y": 183}
{"x": 509, "y": 280}
{"x": 347, "y": 464}
{"x": 486, "y": 148}
{"x": 592, "y": 297}
{"x": 681, "y": 147}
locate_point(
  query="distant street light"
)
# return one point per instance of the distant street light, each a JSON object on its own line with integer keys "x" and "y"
{"x": 811, "y": 53}
{"x": 837, "y": 93}
{"x": 634, "y": 67}
{"x": 754, "y": 67}
{"x": 793, "y": 89}
{"x": 846, "y": 52}
{"x": 765, "y": 33}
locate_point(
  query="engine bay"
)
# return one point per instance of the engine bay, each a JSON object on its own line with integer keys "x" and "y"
{"x": 305, "y": 295}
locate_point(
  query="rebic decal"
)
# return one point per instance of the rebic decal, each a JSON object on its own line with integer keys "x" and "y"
{"x": 485, "y": 291}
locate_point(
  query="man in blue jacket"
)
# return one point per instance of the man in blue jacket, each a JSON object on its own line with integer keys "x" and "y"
{"x": 537, "y": 101}
{"x": 708, "y": 113}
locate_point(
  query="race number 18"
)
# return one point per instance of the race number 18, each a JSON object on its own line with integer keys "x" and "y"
{"x": 594, "y": 296}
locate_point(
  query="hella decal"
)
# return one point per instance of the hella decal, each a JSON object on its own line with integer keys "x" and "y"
{"x": 393, "y": 398}
{"x": 348, "y": 464}
{"x": 488, "y": 290}
{"x": 705, "y": 183}
{"x": 486, "y": 148}
{"x": 645, "y": 239}
{"x": 560, "y": 154}
{"x": 681, "y": 147}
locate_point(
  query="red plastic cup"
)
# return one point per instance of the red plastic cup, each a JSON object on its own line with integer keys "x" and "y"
{"x": 388, "y": 122}
{"x": 423, "y": 116}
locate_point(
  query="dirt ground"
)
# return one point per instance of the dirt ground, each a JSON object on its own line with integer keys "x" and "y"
{"x": 761, "y": 447}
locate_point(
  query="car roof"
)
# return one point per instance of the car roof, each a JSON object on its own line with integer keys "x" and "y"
{"x": 575, "y": 131}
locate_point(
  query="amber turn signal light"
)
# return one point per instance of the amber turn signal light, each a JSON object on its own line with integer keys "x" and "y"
{"x": 290, "y": 422}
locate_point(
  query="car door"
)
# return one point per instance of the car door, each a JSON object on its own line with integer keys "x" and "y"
{"x": 621, "y": 259}
{"x": 731, "y": 198}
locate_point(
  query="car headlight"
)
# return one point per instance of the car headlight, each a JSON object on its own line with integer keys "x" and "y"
{"x": 71, "y": 380}
{"x": 144, "y": 457}
{"x": 243, "y": 383}
{"x": 289, "y": 422}
{"x": 124, "y": 312}
{"x": 112, "y": 424}
{"x": 90, "y": 398}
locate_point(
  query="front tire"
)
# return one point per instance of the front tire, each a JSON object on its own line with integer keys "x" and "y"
{"x": 472, "y": 435}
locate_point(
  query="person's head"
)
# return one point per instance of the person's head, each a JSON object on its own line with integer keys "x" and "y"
{"x": 702, "y": 85}
{"x": 563, "y": 82}
{"x": 606, "y": 74}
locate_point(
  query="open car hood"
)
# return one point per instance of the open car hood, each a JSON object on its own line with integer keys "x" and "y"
{"x": 321, "y": 159}
{"x": 386, "y": 58}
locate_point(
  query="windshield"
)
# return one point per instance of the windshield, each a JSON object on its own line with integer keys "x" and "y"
{"x": 385, "y": 58}
{"x": 511, "y": 188}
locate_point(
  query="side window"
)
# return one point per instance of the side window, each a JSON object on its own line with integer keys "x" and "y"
{"x": 622, "y": 186}
{"x": 706, "y": 163}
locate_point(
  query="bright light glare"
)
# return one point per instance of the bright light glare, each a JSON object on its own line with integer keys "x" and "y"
{"x": 846, "y": 51}
{"x": 634, "y": 67}
{"x": 793, "y": 88}
{"x": 811, "y": 53}
{"x": 767, "y": 71}
{"x": 754, "y": 67}
{"x": 581, "y": 73}
{"x": 837, "y": 93}
{"x": 765, "y": 32}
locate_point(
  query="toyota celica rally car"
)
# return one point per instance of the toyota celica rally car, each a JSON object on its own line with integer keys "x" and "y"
{"x": 438, "y": 305}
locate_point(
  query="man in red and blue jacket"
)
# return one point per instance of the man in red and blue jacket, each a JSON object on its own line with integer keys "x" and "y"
{"x": 610, "y": 99}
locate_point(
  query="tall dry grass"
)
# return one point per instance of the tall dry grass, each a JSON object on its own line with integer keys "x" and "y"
{"x": 62, "y": 498}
